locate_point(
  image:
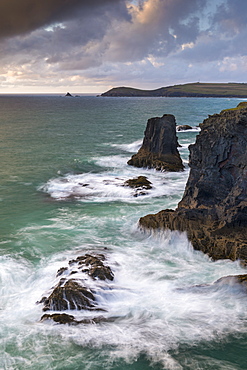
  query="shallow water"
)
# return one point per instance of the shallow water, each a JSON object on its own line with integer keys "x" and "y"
{"x": 63, "y": 167}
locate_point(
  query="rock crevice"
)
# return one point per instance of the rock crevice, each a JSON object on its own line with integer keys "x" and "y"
{"x": 213, "y": 210}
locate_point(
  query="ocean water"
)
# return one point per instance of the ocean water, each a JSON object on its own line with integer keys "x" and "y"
{"x": 63, "y": 166}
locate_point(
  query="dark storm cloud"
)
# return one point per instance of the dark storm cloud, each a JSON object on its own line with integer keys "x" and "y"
{"x": 66, "y": 41}
{"x": 23, "y": 16}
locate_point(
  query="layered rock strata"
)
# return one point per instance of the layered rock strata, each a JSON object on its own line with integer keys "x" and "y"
{"x": 213, "y": 210}
{"x": 159, "y": 147}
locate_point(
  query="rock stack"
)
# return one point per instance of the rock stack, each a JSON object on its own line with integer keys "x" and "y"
{"x": 159, "y": 148}
{"x": 213, "y": 210}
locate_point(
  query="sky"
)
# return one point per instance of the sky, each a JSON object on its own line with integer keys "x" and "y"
{"x": 82, "y": 46}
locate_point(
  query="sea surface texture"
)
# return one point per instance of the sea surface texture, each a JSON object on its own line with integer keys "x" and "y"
{"x": 63, "y": 166}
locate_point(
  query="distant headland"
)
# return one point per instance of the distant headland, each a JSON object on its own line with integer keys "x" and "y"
{"x": 197, "y": 90}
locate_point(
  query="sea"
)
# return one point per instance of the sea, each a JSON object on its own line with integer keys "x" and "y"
{"x": 63, "y": 165}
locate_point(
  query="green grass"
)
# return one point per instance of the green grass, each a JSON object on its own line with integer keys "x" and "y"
{"x": 241, "y": 105}
{"x": 238, "y": 90}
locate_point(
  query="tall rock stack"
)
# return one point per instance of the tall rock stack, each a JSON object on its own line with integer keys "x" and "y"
{"x": 159, "y": 148}
{"x": 213, "y": 210}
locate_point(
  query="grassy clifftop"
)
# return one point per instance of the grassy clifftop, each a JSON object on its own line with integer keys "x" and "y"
{"x": 217, "y": 90}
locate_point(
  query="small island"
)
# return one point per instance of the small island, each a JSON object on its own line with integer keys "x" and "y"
{"x": 192, "y": 90}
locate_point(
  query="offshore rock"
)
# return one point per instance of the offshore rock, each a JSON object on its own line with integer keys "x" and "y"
{"x": 213, "y": 210}
{"x": 184, "y": 127}
{"x": 74, "y": 290}
{"x": 64, "y": 318}
{"x": 93, "y": 266}
{"x": 69, "y": 295}
{"x": 159, "y": 147}
{"x": 140, "y": 184}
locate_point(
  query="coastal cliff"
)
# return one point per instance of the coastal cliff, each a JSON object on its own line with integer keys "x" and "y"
{"x": 193, "y": 90}
{"x": 159, "y": 147}
{"x": 213, "y": 210}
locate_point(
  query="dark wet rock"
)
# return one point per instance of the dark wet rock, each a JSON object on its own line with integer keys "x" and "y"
{"x": 63, "y": 318}
{"x": 68, "y": 94}
{"x": 159, "y": 147}
{"x": 69, "y": 295}
{"x": 75, "y": 290}
{"x": 61, "y": 271}
{"x": 93, "y": 266}
{"x": 213, "y": 210}
{"x": 141, "y": 182}
{"x": 183, "y": 127}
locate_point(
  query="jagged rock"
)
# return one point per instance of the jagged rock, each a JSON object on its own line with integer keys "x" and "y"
{"x": 213, "y": 210}
{"x": 73, "y": 292}
{"x": 141, "y": 182}
{"x": 68, "y": 94}
{"x": 183, "y": 127}
{"x": 64, "y": 318}
{"x": 61, "y": 318}
{"x": 93, "y": 266}
{"x": 159, "y": 148}
{"x": 69, "y": 295}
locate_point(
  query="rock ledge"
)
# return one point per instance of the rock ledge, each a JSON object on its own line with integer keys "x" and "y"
{"x": 213, "y": 210}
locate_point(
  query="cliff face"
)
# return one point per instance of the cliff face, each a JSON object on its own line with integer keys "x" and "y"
{"x": 159, "y": 148}
{"x": 213, "y": 210}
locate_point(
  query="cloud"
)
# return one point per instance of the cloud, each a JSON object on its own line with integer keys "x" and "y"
{"x": 23, "y": 16}
{"x": 144, "y": 43}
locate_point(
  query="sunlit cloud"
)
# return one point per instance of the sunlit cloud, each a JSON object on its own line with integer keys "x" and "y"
{"x": 146, "y": 43}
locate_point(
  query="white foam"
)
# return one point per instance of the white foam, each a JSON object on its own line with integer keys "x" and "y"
{"x": 109, "y": 185}
{"x": 151, "y": 298}
{"x": 132, "y": 147}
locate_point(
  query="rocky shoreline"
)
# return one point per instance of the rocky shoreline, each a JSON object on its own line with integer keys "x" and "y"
{"x": 213, "y": 210}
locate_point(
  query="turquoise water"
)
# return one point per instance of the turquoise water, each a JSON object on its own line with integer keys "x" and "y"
{"x": 50, "y": 147}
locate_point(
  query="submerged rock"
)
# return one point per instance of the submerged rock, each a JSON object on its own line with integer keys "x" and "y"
{"x": 183, "y": 127}
{"x": 64, "y": 318}
{"x": 213, "y": 210}
{"x": 233, "y": 280}
{"x": 159, "y": 148}
{"x": 74, "y": 291}
{"x": 139, "y": 183}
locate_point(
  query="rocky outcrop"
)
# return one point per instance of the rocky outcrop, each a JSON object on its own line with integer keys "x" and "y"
{"x": 213, "y": 210}
{"x": 74, "y": 291}
{"x": 183, "y": 127}
{"x": 159, "y": 148}
{"x": 140, "y": 184}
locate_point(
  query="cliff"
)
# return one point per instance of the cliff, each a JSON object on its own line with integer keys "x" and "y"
{"x": 213, "y": 210}
{"x": 196, "y": 90}
{"x": 159, "y": 148}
